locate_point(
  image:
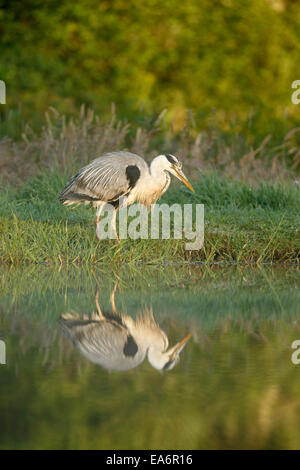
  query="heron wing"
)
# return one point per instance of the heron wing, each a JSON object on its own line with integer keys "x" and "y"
{"x": 107, "y": 343}
{"x": 106, "y": 178}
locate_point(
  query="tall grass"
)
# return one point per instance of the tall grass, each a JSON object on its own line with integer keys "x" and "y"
{"x": 66, "y": 143}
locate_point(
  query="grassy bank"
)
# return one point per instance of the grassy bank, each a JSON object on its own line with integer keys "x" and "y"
{"x": 243, "y": 223}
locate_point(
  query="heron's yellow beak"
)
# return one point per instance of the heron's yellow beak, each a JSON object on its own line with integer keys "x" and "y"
{"x": 180, "y": 175}
{"x": 179, "y": 346}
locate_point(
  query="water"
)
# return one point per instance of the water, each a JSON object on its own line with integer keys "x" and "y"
{"x": 235, "y": 385}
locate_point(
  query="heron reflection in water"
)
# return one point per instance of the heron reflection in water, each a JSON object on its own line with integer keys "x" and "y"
{"x": 117, "y": 342}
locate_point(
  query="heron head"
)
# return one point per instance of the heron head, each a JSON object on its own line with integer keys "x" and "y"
{"x": 168, "y": 359}
{"x": 174, "y": 166}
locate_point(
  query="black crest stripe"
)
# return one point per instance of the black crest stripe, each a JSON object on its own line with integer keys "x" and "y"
{"x": 171, "y": 159}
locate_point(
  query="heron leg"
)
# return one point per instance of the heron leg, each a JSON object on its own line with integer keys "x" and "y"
{"x": 100, "y": 314}
{"x": 112, "y": 298}
{"x": 98, "y": 213}
{"x": 113, "y": 224}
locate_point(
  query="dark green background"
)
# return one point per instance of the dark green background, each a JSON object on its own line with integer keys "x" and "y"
{"x": 231, "y": 60}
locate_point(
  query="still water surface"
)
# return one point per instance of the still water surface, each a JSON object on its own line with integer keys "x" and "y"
{"x": 92, "y": 373}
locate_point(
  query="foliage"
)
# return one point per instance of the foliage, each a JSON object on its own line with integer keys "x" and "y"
{"x": 230, "y": 61}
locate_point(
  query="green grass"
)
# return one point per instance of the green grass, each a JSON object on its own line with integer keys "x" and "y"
{"x": 243, "y": 223}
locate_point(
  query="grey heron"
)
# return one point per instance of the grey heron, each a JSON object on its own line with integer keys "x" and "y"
{"x": 118, "y": 342}
{"x": 120, "y": 179}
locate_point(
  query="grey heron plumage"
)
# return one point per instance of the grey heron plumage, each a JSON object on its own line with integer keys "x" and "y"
{"x": 122, "y": 178}
{"x": 118, "y": 342}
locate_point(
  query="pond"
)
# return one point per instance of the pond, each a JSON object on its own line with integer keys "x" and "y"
{"x": 154, "y": 357}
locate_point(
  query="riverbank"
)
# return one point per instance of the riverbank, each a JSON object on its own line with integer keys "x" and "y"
{"x": 243, "y": 224}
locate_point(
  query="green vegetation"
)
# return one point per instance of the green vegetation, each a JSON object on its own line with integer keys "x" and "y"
{"x": 221, "y": 72}
{"x": 246, "y": 220}
{"x": 230, "y": 61}
{"x": 242, "y": 223}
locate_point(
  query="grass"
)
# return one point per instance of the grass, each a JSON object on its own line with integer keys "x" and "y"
{"x": 243, "y": 223}
{"x": 69, "y": 142}
{"x": 251, "y": 211}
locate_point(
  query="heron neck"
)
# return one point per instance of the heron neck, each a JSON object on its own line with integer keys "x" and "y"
{"x": 158, "y": 173}
{"x": 156, "y": 167}
{"x": 156, "y": 357}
